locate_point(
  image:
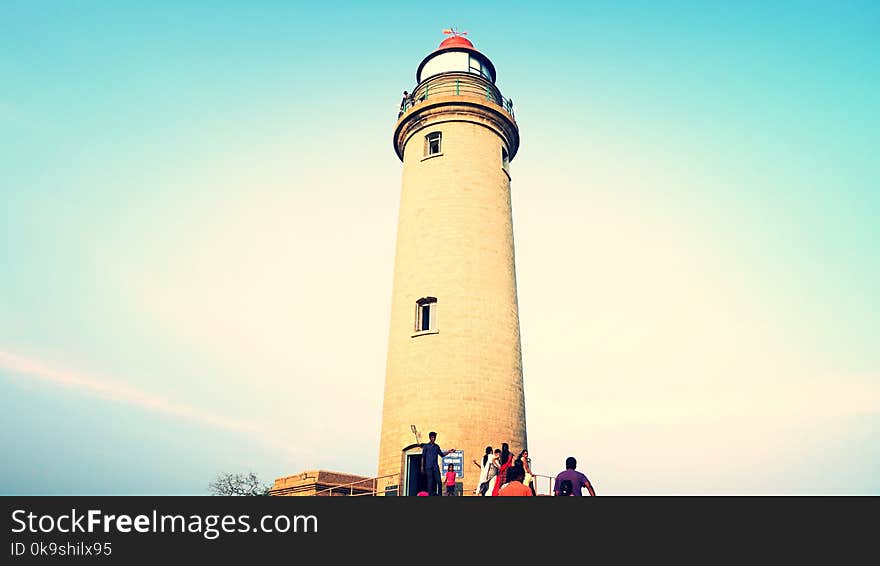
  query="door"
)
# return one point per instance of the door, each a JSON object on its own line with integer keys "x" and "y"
{"x": 415, "y": 480}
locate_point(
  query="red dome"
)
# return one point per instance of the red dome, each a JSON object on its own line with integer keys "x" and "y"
{"x": 456, "y": 41}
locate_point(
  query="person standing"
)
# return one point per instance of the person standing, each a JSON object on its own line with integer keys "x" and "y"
{"x": 492, "y": 472}
{"x": 404, "y": 103}
{"x": 525, "y": 462}
{"x": 505, "y": 461}
{"x": 570, "y": 481}
{"x": 450, "y": 481}
{"x": 430, "y": 468}
{"x": 483, "y": 484}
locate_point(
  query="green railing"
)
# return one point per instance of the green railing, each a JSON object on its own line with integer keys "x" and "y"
{"x": 464, "y": 85}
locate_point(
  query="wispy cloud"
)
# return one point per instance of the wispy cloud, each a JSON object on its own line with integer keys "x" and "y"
{"x": 121, "y": 393}
{"x": 290, "y": 446}
{"x": 301, "y": 449}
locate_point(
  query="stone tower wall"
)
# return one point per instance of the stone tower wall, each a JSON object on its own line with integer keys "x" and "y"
{"x": 455, "y": 243}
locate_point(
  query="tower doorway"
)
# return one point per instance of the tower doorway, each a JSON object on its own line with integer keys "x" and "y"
{"x": 414, "y": 478}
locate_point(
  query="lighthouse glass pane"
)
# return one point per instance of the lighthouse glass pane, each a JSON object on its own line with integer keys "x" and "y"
{"x": 444, "y": 63}
{"x": 475, "y": 65}
{"x": 487, "y": 72}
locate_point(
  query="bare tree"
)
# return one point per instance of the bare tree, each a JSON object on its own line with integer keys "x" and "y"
{"x": 238, "y": 484}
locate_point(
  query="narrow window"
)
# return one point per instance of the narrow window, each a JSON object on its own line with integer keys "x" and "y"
{"x": 505, "y": 160}
{"x": 432, "y": 143}
{"x": 426, "y": 315}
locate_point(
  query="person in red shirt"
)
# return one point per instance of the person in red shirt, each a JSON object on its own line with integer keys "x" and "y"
{"x": 450, "y": 480}
{"x": 505, "y": 461}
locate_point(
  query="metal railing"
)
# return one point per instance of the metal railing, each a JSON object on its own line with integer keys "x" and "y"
{"x": 543, "y": 486}
{"x": 456, "y": 84}
{"x": 350, "y": 487}
{"x": 539, "y": 480}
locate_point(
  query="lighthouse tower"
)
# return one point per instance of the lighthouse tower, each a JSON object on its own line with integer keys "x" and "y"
{"x": 454, "y": 364}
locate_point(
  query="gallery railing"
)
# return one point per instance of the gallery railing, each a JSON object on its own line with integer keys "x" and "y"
{"x": 456, "y": 84}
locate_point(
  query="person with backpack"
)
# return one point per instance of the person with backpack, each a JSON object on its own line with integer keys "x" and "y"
{"x": 569, "y": 482}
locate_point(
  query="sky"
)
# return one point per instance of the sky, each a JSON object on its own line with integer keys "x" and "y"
{"x": 193, "y": 196}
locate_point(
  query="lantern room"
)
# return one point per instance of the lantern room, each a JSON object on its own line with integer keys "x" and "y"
{"x": 456, "y": 54}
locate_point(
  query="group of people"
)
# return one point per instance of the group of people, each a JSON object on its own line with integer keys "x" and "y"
{"x": 503, "y": 475}
{"x": 500, "y": 473}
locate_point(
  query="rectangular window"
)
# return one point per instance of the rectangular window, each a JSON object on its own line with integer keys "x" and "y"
{"x": 432, "y": 143}
{"x": 505, "y": 160}
{"x": 426, "y": 316}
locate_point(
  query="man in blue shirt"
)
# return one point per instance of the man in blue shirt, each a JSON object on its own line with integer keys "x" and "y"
{"x": 430, "y": 452}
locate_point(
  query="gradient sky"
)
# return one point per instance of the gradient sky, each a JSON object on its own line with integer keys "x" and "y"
{"x": 195, "y": 197}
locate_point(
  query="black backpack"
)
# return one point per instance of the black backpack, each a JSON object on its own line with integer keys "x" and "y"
{"x": 565, "y": 487}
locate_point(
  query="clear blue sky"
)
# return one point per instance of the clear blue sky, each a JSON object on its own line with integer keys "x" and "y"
{"x": 191, "y": 197}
